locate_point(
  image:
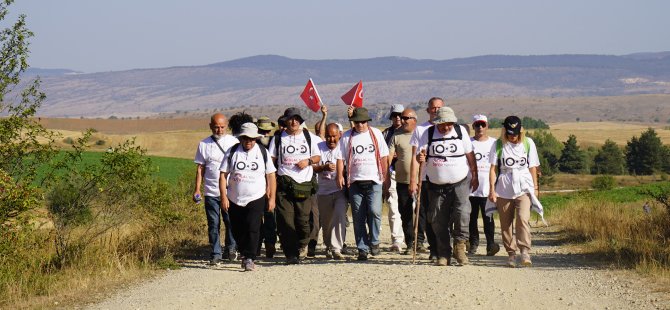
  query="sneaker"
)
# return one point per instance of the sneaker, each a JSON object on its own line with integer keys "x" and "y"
{"x": 442, "y": 261}
{"x": 459, "y": 252}
{"x": 397, "y": 248}
{"x": 232, "y": 254}
{"x": 362, "y": 256}
{"x": 270, "y": 250}
{"x": 525, "y": 260}
{"x": 337, "y": 255}
{"x": 511, "y": 261}
{"x": 249, "y": 264}
{"x": 472, "y": 249}
{"x": 495, "y": 248}
{"x": 329, "y": 254}
{"x": 292, "y": 260}
{"x": 302, "y": 253}
{"x": 215, "y": 261}
{"x": 375, "y": 250}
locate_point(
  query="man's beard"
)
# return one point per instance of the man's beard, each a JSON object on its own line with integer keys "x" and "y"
{"x": 216, "y": 137}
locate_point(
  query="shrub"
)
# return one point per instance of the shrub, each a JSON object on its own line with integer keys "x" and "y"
{"x": 100, "y": 142}
{"x": 603, "y": 182}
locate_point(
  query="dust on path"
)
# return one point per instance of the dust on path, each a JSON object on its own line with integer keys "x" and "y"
{"x": 558, "y": 280}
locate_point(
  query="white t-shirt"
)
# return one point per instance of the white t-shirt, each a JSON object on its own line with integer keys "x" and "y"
{"x": 450, "y": 165}
{"x": 514, "y": 157}
{"x": 210, "y": 156}
{"x": 363, "y": 165}
{"x": 246, "y": 179}
{"x": 295, "y": 149}
{"x": 328, "y": 179}
{"x": 482, "y": 150}
{"x": 414, "y": 140}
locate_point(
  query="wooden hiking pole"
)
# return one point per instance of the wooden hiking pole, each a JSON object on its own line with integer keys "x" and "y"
{"x": 416, "y": 215}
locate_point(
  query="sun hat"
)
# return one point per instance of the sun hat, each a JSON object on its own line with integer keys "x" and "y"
{"x": 396, "y": 109}
{"x": 292, "y": 112}
{"x": 264, "y": 123}
{"x": 249, "y": 130}
{"x": 479, "y": 118}
{"x": 360, "y": 115}
{"x": 445, "y": 115}
{"x": 512, "y": 125}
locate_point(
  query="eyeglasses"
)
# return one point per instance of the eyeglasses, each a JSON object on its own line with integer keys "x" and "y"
{"x": 406, "y": 118}
{"x": 394, "y": 115}
{"x": 360, "y": 122}
{"x": 479, "y": 125}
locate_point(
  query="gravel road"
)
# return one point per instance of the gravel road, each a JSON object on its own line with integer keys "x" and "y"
{"x": 559, "y": 279}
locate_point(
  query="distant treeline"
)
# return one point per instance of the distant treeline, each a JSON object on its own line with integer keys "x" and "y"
{"x": 527, "y": 122}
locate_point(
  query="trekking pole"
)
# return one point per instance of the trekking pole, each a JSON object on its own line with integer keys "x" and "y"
{"x": 537, "y": 216}
{"x": 416, "y": 215}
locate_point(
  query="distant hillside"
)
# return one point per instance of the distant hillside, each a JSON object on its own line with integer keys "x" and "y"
{"x": 276, "y": 80}
{"x": 49, "y": 72}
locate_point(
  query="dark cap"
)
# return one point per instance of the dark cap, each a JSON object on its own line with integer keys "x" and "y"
{"x": 292, "y": 112}
{"x": 512, "y": 125}
{"x": 360, "y": 115}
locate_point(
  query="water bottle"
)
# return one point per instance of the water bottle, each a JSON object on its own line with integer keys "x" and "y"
{"x": 197, "y": 198}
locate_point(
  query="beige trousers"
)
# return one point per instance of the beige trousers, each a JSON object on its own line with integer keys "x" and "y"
{"x": 507, "y": 208}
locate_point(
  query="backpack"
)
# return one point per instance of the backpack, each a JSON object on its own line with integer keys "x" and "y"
{"x": 431, "y": 132}
{"x": 277, "y": 137}
{"x": 234, "y": 148}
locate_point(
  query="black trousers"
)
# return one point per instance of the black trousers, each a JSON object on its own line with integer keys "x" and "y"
{"x": 292, "y": 222}
{"x": 246, "y": 223}
{"x": 405, "y": 207}
{"x": 478, "y": 205}
{"x": 424, "y": 225}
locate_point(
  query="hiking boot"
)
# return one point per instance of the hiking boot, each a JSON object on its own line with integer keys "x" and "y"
{"x": 375, "y": 250}
{"x": 302, "y": 253}
{"x": 511, "y": 261}
{"x": 525, "y": 260}
{"x": 459, "y": 252}
{"x": 442, "y": 261}
{"x": 329, "y": 254}
{"x": 232, "y": 254}
{"x": 471, "y": 248}
{"x": 215, "y": 261}
{"x": 396, "y": 248}
{"x": 292, "y": 260}
{"x": 491, "y": 251}
{"x": 249, "y": 264}
{"x": 362, "y": 256}
{"x": 270, "y": 250}
{"x": 421, "y": 249}
{"x": 337, "y": 255}
{"x": 311, "y": 251}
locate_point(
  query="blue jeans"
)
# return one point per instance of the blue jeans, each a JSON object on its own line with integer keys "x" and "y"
{"x": 213, "y": 211}
{"x": 366, "y": 208}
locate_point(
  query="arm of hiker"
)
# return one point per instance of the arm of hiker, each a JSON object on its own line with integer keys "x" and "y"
{"x": 271, "y": 190}
{"x": 533, "y": 173}
{"x": 413, "y": 174}
{"x": 223, "y": 188}
{"x": 321, "y": 125}
{"x": 472, "y": 163}
{"x": 492, "y": 184}
{"x": 387, "y": 178}
{"x": 340, "y": 174}
{"x": 200, "y": 171}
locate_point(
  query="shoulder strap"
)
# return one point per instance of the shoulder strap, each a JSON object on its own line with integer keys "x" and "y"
{"x": 233, "y": 149}
{"x": 459, "y": 133}
{"x": 431, "y": 131}
{"x": 308, "y": 138}
{"x": 499, "y": 149}
{"x": 526, "y": 145}
{"x": 217, "y": 144}
{"x": 264, "y": 152}
{"x": 277, "y": 139}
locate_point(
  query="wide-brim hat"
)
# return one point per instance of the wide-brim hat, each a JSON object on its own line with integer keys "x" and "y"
{"x": 512, "y": 125}
{"x": 396, "y": 109}
{"x": 444, "y": 115}
{"x": 264, "y": 123}
{"x": 360, "y": 115}
{"x": 292, "y": 112}
{"x": 249, "y": 130}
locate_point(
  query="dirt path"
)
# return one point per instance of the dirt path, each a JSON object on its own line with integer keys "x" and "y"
{"x": 558, "y": 280}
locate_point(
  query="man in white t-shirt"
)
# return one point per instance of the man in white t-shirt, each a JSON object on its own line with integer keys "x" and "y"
{"x": 365, "y": 154}
{"x": 424, "y": 227}
{"x": 246, "y": 171}
{"x": 389, "y": 190}
{"x": 295, "y": 150}
{"x": 482, "y": 144}
{"x": 332, "y": 200}
{"x": 208, "y": 157}
{"x": 448, "y": 153}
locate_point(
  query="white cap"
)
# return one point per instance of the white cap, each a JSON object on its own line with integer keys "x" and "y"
{"x": 397, "y": 108}
{"x": 479, "y": 118}
{"x": 339, "y": 126}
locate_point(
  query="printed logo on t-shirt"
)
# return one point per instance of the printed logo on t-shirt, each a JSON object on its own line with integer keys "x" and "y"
{"x": 512, "y": 161}
{"x": 360, "y": 149}
{"x": 443, "y": 150}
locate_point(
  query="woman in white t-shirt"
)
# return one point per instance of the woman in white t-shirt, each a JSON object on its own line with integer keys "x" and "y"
{"x": 515, "y": 158}
{"x": 248, "y": 188}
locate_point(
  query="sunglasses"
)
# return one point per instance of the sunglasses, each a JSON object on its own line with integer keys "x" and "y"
{"x": 360, "y": 122}
{"x": 406, "y": 118}
{"x": 479, "y": 125}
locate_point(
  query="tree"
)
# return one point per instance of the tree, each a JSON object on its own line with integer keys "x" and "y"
{"x": 572, "y": 160}
{"x": 609, "y": 159}
{"x": 548, "y": 149}
{"x": 644, "y": 155}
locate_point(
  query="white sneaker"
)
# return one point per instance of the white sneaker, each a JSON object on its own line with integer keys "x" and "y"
{"x": 511, "y": 261}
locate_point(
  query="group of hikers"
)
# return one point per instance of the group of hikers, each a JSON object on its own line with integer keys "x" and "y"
{"x": 270, "y": 180}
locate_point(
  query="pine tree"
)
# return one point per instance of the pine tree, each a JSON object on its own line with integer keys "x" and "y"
{"x": 572, "y": 160}
{"x": 548, "y": 149}
{"x": 644, "y": 155}
{"x": 609, "y": 159}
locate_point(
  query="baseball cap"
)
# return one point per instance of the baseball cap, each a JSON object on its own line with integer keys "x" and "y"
{"x": 512, "y": 125}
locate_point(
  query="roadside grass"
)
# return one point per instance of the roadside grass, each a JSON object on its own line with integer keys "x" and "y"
{"x": 613, "y": 223}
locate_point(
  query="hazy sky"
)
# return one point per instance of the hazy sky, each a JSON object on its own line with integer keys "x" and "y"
{"x": 94, "y": 35}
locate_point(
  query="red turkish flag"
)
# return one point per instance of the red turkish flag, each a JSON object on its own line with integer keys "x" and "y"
{"x": 354, "y": 96}
{"x": 311, "y": 97}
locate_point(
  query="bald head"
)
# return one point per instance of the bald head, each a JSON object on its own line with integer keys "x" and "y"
{"x": 332, "y": 135}
{"x": 408, "y": 117}
{"x": 218, "y": 117}
{"x": 218, "y": 124}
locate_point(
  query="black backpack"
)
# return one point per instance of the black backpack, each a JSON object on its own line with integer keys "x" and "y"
{"x": 234, "y": 148}
{"x": 431, "y": 132}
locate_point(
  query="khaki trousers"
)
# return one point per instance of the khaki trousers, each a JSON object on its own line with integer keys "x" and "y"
{"x": 507, "y": 208}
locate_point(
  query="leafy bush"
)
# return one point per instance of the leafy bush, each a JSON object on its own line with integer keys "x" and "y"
{"x": 603, "y": 182}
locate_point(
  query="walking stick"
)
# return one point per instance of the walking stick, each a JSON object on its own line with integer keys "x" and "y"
{"x": 416, "y": 215}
